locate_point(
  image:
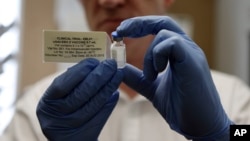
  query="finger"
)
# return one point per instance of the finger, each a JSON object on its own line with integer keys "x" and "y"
{"x": 88, "y": 88}
{"x": 135, "y": 79}
{"x": 95, "y": 81}
{"x": 172, "y": 49}
{"x": 96, "y": 103}
{"x": 166, "y": 45}
{"x": 89, "y": 109}
{"x": 145, "y": 25}
{"x": 65, "y": 83}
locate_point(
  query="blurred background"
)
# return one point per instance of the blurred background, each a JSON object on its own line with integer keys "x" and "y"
{"x": 220, "y": 27}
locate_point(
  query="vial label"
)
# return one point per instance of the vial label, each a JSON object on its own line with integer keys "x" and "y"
{"x": 66, "y": 46}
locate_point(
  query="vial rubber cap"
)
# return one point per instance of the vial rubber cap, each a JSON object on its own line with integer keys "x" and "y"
{"x": 116, "y": 37}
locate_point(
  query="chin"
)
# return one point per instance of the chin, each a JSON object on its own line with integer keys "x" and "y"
{"x": 109, "y": 28}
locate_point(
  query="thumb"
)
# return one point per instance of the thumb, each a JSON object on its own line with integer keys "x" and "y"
{"x": 134, "y": 78}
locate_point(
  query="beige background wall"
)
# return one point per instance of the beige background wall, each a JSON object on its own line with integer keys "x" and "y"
{"x": 203, "y": 14}
{"x": 37, "y": 15}
{"x": 233, "y": 38}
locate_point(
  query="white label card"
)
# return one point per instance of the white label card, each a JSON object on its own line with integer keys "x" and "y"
{"x": 66, "y": 46}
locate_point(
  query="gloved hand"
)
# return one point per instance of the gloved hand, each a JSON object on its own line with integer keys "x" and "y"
{"x": 176, "y": 79}
{"x": 77, "y": 104}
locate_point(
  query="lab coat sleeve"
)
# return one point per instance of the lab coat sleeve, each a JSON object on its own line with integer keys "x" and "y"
{"x": 24, "y": 125}
{"x": 240, "y": 109}
{"x": 235, "y": 97}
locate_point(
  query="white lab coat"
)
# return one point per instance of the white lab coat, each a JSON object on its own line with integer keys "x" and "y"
{"x": 132, "y": 120}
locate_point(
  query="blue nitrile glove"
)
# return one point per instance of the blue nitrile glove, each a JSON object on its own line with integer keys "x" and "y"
{"x": 184, "y": 93}
{"x": 77, "y": 104}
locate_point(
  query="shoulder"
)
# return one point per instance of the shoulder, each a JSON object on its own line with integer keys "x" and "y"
{"x": 220, "y": 76}
{"x": 33, "y": 93}
{"x": 229, "y": 83}
{"x": 224, "y": 80}
{"x": 24, "y": 123}
{"x": 235, "y": 96}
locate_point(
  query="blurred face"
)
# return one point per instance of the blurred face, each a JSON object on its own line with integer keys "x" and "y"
{"x": 106, "y": 15}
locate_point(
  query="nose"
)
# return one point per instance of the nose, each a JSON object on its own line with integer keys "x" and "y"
{"x": 111, "y": 3}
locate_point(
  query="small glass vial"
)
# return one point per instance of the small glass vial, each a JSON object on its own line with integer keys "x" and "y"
{"x": 118, "y": 50}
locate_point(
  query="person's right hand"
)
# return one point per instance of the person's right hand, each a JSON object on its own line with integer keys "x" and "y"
{"x": 176, "y": 79}
{"x": 77, "y": 104}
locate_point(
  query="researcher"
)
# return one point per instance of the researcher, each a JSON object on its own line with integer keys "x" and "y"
{"x": 166, "y": 92}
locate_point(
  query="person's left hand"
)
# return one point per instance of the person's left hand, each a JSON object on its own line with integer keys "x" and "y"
{"x": 78, "y": 103}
